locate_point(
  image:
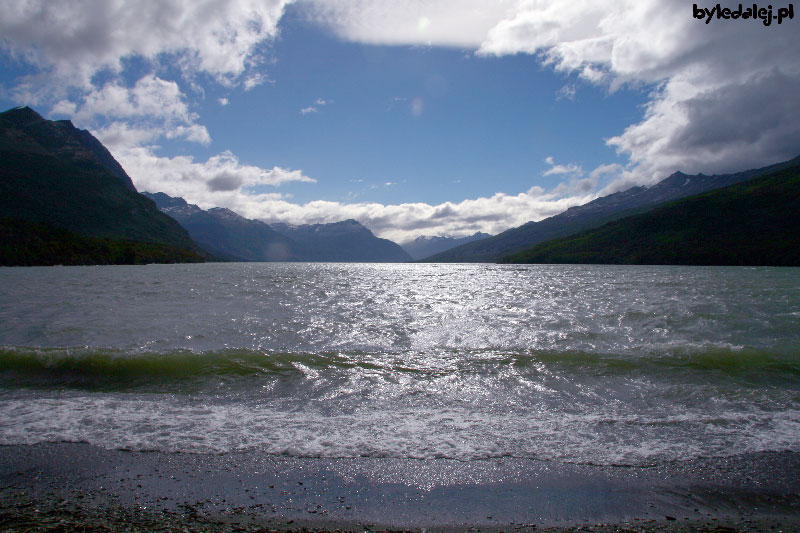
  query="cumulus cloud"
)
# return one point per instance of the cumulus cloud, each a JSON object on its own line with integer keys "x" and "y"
{"x": 725, "y": 128}
{"x": 722, "y": 93}
{"x": 216, "y": 182}
{"x": 78, "y": 38}
{"x": 403, "y": 222}
{"x": 153, "y": 106}
{"x": 254, "y": 80}
{"x": 149, "y": 96}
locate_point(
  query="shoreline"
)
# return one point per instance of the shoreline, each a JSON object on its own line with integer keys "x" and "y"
{"x": 81, "y": 486}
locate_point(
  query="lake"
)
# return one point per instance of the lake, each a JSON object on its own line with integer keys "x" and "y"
{"x": 607, "y": 365}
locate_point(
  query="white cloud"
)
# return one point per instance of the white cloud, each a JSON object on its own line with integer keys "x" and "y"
{"x": 571, "y": 168}
{"x": 78, "y": 38}
{"x": 319, "y": 102}
{"x": 254, "y": 80}
{"x": 223, "y": 101}
{"x": 462, "y": 23}
{"x": 150, "y": 96}
{"x": 724, "y": 93}
{"x": 215, "y": 182}
{"x": 223, "y": 181}
{"x": 611, "y": 169}
{"x": 724, "y": 128}
{"x": 402, "y": 222}
{"x": 152, "y": 108}
{"x": 578, "y": 184}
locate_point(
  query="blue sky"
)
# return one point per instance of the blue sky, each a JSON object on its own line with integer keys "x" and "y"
{"x": 437, "y": 118}
{"x": 438, "y": 124}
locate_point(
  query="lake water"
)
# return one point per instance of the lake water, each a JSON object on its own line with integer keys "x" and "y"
{"x": 587, "y": 364}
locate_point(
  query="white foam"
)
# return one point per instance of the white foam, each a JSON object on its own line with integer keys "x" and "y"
{"x": 192, "y": 425}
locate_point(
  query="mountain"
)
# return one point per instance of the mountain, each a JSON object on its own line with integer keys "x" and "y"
{"x": 26, "y": 131}
{"x": 64, "y": 199}
{"x": 345, "y": 241}
{"x": 227, "y": 235}
{"x": 231, "y": 236}
{"x": 750, "y": 223}
{"x": 596, "y": 213}
{"x": 425, "y": 246}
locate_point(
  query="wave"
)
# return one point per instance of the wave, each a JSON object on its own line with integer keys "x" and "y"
{"x": 109, "y": 367}
{"x": 573, "y": 406}
{"x": 727, "y": 360}
{"x": 113, "y": 368}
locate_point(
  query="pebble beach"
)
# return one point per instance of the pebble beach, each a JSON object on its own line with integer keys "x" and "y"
{"x": 80, "y": 487}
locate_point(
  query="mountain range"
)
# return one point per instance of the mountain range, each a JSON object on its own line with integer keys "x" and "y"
{"x": 425, "y": 246}
{"x": 225, "y": 234}
{"x": 596, "y": 213}
{"x": 65, "y": 200}
{"x": 232, "y": 237}
{"x": 750, "y": 223}
{"x": 342, "y": 241}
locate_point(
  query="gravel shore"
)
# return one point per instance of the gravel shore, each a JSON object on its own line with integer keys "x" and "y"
{"x": 69, "y": 487}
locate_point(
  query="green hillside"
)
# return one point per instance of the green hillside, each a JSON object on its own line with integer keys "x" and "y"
{"x": 598, "y": 212}
{"x": 28, "y": 244}
{"x": 751, "y": 223}
{"x": 55, "y": 178}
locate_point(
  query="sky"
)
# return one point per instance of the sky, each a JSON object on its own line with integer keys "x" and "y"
{"x": 436, "y": 117}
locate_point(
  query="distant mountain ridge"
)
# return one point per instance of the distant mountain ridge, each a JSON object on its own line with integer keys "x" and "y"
{"x": 225, "y": 234}
{"x": 753, "y": 223}
{"x": 596, "y": 213}
{"x": 425, "y": 246}
{"x": 233, "y": 237}
{"x": 344, "y": 241}
{"x": 64, "y": 199}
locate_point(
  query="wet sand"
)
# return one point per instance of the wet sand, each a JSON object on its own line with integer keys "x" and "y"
{"x": 68, "y": 486}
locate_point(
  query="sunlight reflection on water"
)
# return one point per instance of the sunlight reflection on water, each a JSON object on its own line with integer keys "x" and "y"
{"x": 572, "y": 363}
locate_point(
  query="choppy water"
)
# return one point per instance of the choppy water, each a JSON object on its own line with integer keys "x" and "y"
{"x": 599, "y": 364}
